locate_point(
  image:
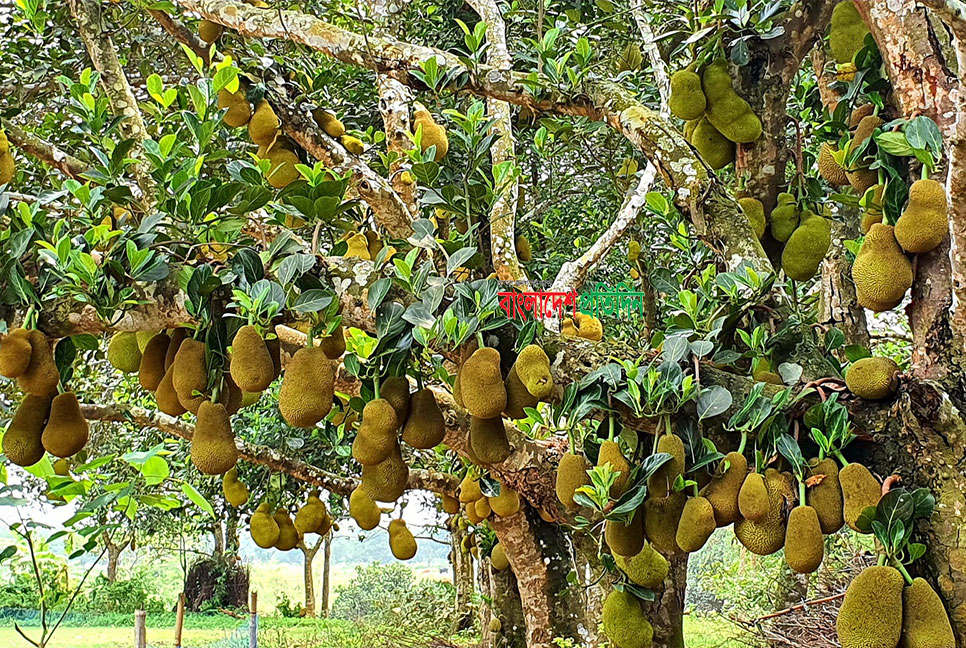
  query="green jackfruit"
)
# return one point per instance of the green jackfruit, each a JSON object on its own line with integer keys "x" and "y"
{"x": 238, "y": 112}
{"x": 647, "y": 568}
{"x": 862, "y": 179}
{"x": 328, "y": 122}
{"x": 873, "y": 378}
{"x": 22, "y": 442}
{"x": 386, "y": 481}
{"x": 66, "y": 431}
{"x": 123, "y": 352}
{"x": 859, "y": 113}
{"x": 481, "y": 384}
{"x": 610, "y": 453}
{"x": 689, "y": 127}
{"x": 753, "y": 497}
{"x": 41, "y": 376}
{"x": 925, "y": 623}
{"x": 716, "y": 149}
{"x": 524, "y": 251}
{"x": 488, "y": 440}
{"x": 311, "y": 517}
{"x": 661, "y": 518}
{"x": 533, "y": 369}
{"x": 722, "y": 490}
{"x": 507, "y": 503}
{"x": 433, "y": 134}
{"x": 761, "y": 372}
{"x": 696, "y": 525}
{"x": 213, "y": 450}
{"x": 482, "y": 508}
{"x": 470, "y": 489}
{"x": 624, "y": 622}
{"x": 498, "y": 557}
{"x": 826, "y": 496}
{"x": 924, "y": 222}
{"x": 755, "y": 213}
{"x": 784, "y": 217}
{"x": 210, "y": 31}
{"x": 334, "y": 344}
{"x": 687, "y": 99}
{"x": 251, "y": 364}
{"x": 829, "y": 169}
{"x": 15, "y": 353}
{"x": 263, "y": 125}
{"x": 167, "y": 397}
{"x": 806, "y": 247}
{"x": 308, "y": 387}
{"x": 396, "y": 390}
{"x": 881, "y": 272}
{"x": 847, "y": 32}
{"x": 767, "y": 535}
{"x": 190, "y": 374}
{"x": 288, "y": 535}
{"x": 871, "y": 612}
{"x": 376, "y": 438}
{"x": 401, "y": 540}
{"x": 860, "y": 490}
{"x": 450, "y": 505}
{"x": 235, "y": 491}
{"x": 230, "y": 395}
{"x": 518, "y": 396}
{"x": 571, "y": 475}
{"x": 727, "y": 111}
{"x": 804, "y": 543}
{"x": 660, "y": 483}
{"x": 470, "y": 512}
{"x": 175, "y": 338}
{"x": 625, "y": 539}
{"x": 425, "y": 427}
{"x": 363, "y": 509}
{"x": 352, "y": 144}
{"x": 263, "y": 527}
{"x": 282, "y": 171}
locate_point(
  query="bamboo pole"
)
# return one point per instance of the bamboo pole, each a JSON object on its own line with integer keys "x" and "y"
{"x": 140, "y": 632}
{"x": 253, "y": 625}
{"x": 179, "y": 621}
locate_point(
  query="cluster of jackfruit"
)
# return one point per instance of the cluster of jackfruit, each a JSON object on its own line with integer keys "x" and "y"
{"x": 584, "y": 326}
{"x": 806, "y": 236}
{"x": 847, "y": 32}
{"x": 716, "y": 117}
{"x": 279, "y": 531}
{"x": 477, "y": 506}
{"x": 882, "y": 273}
{"x": 7, "y": 164}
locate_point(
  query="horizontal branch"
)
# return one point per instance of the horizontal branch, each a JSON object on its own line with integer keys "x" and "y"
{"x": 44, "y": 151}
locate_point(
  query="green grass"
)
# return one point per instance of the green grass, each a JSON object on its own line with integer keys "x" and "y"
{"x": 712, "y": 631}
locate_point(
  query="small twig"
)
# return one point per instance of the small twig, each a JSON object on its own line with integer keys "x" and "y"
{"x": 799, "y": 606}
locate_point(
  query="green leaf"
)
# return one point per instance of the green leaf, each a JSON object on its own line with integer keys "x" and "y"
{"x": 197, "y": 498}
{"x": 713, "y": 401}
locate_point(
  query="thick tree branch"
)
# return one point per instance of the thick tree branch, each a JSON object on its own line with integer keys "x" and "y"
{"x": 45, "y": 151}
{"x": 649, "y": 44}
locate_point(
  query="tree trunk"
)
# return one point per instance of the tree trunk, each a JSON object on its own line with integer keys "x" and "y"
{"x": 326, "y": 568}
{"x": 595, "y": 589}
{"x": 462, "y": 565}
{"x": 113, "y": 554}
{"x": 505, "y": 606}
{"x": 308, "y": 557}
{"x": 232, "y": 541}
{"x": 218, "y": 533}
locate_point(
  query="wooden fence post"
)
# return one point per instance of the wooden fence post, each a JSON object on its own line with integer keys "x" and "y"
{"x": 140, "y": 632}
{"x": 179, "y": 621}
{"x": 253, "y": 624}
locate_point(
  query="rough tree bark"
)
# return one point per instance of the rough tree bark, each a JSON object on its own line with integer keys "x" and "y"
{"x": 326, "y": 575}
{"x": 308, "y": 579}
{"x": 461, "y": 562}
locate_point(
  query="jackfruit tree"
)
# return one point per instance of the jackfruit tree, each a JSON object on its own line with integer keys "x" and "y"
{"x": 274, "y": 275}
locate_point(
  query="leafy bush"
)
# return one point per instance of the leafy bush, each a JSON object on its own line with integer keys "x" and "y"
{"x": 287, "y": 608}
{"x": 121, "y": 596}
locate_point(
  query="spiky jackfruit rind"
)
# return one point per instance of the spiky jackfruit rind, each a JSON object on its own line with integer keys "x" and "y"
{"x": 263, "y": 527}
{"x": 924, "y": 222}
{"x": 715, "y": 149}
{"x": 123, "y": 352}
{"x": 395, "y": 390}
{"x": 881, "y": 272}
{"x": 571, "y": 475}
{"x": 847, "y": 32}
{"x": 334, "y": 345}
{"x": 401, "y": 540}
{"x": 363, "y": 509}
{"x": 925, "y": 623}
{"x": 213, "y": 450}
{"x": 625, "y": 539}
{"x": 804, "y": 543}
{"x": 22, "y": 442}
{"x": 376, "y": 438}
{"x": 728, "y": 112}
{"x": 498, "y": 557}
{"x": 251, "y": 363}
{"x": 624, "y": 622}
{"x": 687, "y": 99}
{"x": 533, "y": 369}
{"x": 386, "y": 481}
{"x": 518, "y": 397}
{"x": 15, "y": 351}
{"x": 469, "y": 489}
{"x": 488, "y": 440}
{"x": 766, "y": 536}
{"x": 826, "y": 496}
{"x": 481, "y": 384}
{"x": 328, "y": 122}
{"x": 610, "y": 453}
{"x": 860, "y": 490}
{"x": 696, "y": 525}
{"x": 806, "y": 247}
{"x": 288, "y": 535}
{"x": 263, "y": 125}
{"x": 753, "y": 497}
{"x": 829, "y": 169}
{"x": 210, "y": 31}
{"x": 873, "y": 378}
{"x": 190, "y": 374}
{"x": 66, "y": 432}
{"x": 784, "y": 217}
{"x": 661, "y": 518}
{"x": 308, "y": 388}
{"x": 433, "y": 134}
{"x": 589, "y": 327}
{"x": 425, "y": 427}
{"x": 239, "y": 111}
{"x": 722, "y": 491}
{"x": 754, "y": 211}
{"x": 871, "y": 612}
{"x": 505, "y": 504}
{"x": 661, "y": 482}
{"x": 647, "y": 568}
{"x": 166, "y": 396}
{"x": 311, "y": 516}
{"x": 234, "y": 490}
{"x": 41, "y": 376}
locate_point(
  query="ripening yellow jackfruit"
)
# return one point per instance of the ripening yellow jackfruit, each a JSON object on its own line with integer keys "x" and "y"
{"x": 589, "y": 327}
{"x": 826, "y": 496}
{"x": 481, "y": 384}
{"x": 395, "y": 390}
{"x": 352, "y": 144}
{"x": 860, "y": 490}
{"x": 288, "y": 535}
{"x": 873, "y": 378}
{"x": 334, "y": 345}
{"x": 625, "y": 539}
{"x": 727, "y": 111}
{"x": 22, "y": 442}
{"x": 263, "y": 527}
{"x": 498, "y": 558}
{"x": 804, "y": 544}
{"x": 376, "y": 438}
{"x": 661, "y": 482}
{"x": 924, "y": 222}
{"x": 282, "y": 172}
{"x": 210, "y": 31}
{"x": 123, "y": 352}
{"x": 328, "y": 122}
{"x": 716, "y": 149}
{"x": 213, "y": 449}
{"x": 251, "y": 364}
{"x": 450, "y": 504}
{"x": 871, "y": 612}
{"x": 847, "y": 32}
{"x": 239, "y": 110}
{"x": 312, "y": 516}
{"x": 571, "y": 475}
{"x": 307, "y": 388}
{"x": 925, "y": 623}
{"x": 433, "y": 134}
{"x": 568, "y": 328}
{"x": 425, "y": 427}
{"x": 363, "y": 509}
{"x": 469, "y": 489}
{"x": 482, "y": 508}
{"x": 41, "y": 376}
{"x": 263, "y": 127}
{"x": 829, "y": 169}
{"x": 647, "y": 568}
{"x": 687, "y": 99}
{"x": 755, "y": 213}
{"x": 15, "y": 352}
{"x": 722, "y": 490}
{"x": 488, "y": 440}
{"x": 881, "y": 272}
{"x": 507, "y": 503}
{"x": 806, "y": 247}
{"x": 518, "y": 396}
{"x": 533, "y": 369}
{"x": 234, "y": 489}
{"x": 8, "y": 167}
{"x": 696, "y": 525}
{"x": 190, "y": 374}
{"x": 358, "y": 247}
{"x": 470, "y": 512}
{"x": 784, "y": 217}
{"x": 753, "y": 497}
{"x": 386, "y": 481}
{"x": 401, "y": 540}
{"x": 524, "y": 251}
{"x": 624, "y": 622}
{"x": 767, "y": 535}
{"x": 66, "y": 431}
{"x": 167, "y": 397}
{"x": 610, "y": 453}
{"x": 661, "y": 518}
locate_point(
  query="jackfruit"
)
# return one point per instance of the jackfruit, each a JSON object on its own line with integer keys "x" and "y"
{"x": 22, "y": 442}
{"x": 518, "y": 396}
{"x": 334, "y": 345}
{"x": 401, "y": 540}
{"x": 376, "y": 438}
{"x": 610, "y": 453}
{"x": 696, "y": 525}
{"x": 282, "y": 171}
{"x": 190, "y": 374}
{"x": 482, "y": 508}
{"x": 826, "y": 496}
{"x": 871, "y": 612}
{"x": 328, "y": 122}
{"x": 862, "y": 179}
{"x": 495, "y": 625}
{"x": 308, "y": 387}
{"x": 533, "y": 369}
{"x": 288, "y": 535}
{"x": 352, "y": 144}
{"x": 235, "y": 490}
{"x": 66, "y": 431}
{"x": 263, "y": 527}
{"x": 767, "y": 535}
{"x": 871, "y": 204}
{"x": 847, "y": 32}
{"x": 524, "y": 251}
{"x": 176, "y": 337}
{"x": 589, "y": 327}
{"x": 755, "y": 213}
{"x": 728, "y": 113}
{"x": 859, "y": 113}
{"x": 263, "y": 125}
{"x": 230, "y": 395}
{"x": 481, "y": 384}
{"x": 753, "y": 498}
{"x": 873, "y": 378}
{"x": 804, "y": 544}
{"x": 41, "y": 376}
{"x": 425, "y": 427}
{"x": 450, "y": 505}
{"x": 395, "y": 390}
{"x": 860, "y": 490}
{"x": 761, "y": 372}
{"x": 505, "y": 504}
{"x": 488, "y": 440}
{"x": 624, "y": 622}
{"x": 881, "y": 272}
{"x": 646, "y": 568}
{"x": 251, "y": 364}
{"x": 167, "y": 397}
{"x": 386, "y": 481}
{"x": 660, "y": 483}
{"x": 806, "y": 247}
{"x": 689, "y": 127}
{"x": 829, "y": 169}
{"x": 661, "y": 518}
{"x": 630, "y": 58}
{"x": 925, "y": 623}
{"x": 923, "y": 223}
{"x": 469, "y": 489}
{"x": 61, "y": 468}
{"x": 625, "y": 539}
{"x": 784, "y": 217}
{"x": 498, "y": 558}
{"x": 470, "y": 511}
{"x": 568, "y": 328}
{"x": 869, "y": 218}
{"x": 123, "y": 352}
{"x": 363, "y": 509}
{"x": 716, "y": 149}
{"x": 687, "y": 99}
{"x": 722, "y": 491}
{"x": 433, "y": 134}
{"x": 311, "y": 516}
{"x": 8, "y": 167}
{"x": 15, "y": 353}
{"x": 633, "y": 251}
{"x": 358, "y": 248}
{"x": 213, "y": 449}
{"x": 571, "y": 475}
{"x": 239, "y": 110}
{"x": 210, "y": 31}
